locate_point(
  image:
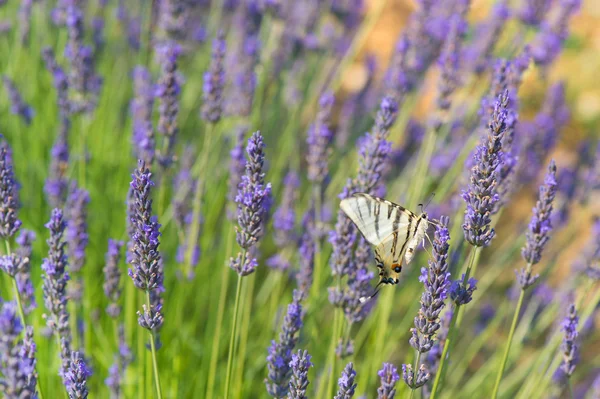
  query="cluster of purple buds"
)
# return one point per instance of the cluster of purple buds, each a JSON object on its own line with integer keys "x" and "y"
{"x": 145, "y": 259}
{"x": 116, "y": 372}
{"x": 540, "y": 227}
{"x": 173, "y": 17}
{"x": 168, "y": 91}
{"x": 77, "y": 235}
{"x": 461, "y": 292}
{"x": 24, "y": 284}
{"x": 346, "y": 383}
{"x": 570, "y": 349}
{"x": 76, "y": 376}
{"x": 214, "y": 82}
{"x": 412, "y": 380}
{"x": 481, "y": 195}
{"x": 299, "y": 364}
{"x": 9, "y": 204}
{"x": 252, "y": 199}
{"x": 18, "y": 106}
{"x": 17, "y": 357}
{"x": 284, "y": 218}
{"x": 25, "y": 21}
{"x": 141, "y": 111}
{"x": 57, "y": 184}
{"x": 280, "y": 352}
{"x": 112, "y": 278}
{"x": 389, "y": 377}
{"x": 319, "y": 138}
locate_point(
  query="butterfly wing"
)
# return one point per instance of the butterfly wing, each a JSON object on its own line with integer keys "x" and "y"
{"x": 379, "y": 220}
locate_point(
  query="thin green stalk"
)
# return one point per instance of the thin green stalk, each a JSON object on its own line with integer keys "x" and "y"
{"x": 570, "y": 388}
{"x": 317, "y": 198}
{"x": 216, "y": 342}
{"x": 330, "y": 357}
{"x": 511, "y": 333}
{"x": 153, "y": 348}
{"x": 449, "y": 339}
{"x": 233, "y": 336}
{"x": 198, "y": 169}
{"x": 419, "y": 176}
{"x": 248, "y": 293}
{"x": 417, "y": 359}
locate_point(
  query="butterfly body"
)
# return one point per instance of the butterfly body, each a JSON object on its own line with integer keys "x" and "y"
{"x": 395, "y": 231}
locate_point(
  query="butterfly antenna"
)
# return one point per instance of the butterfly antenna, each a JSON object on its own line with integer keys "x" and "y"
{"x": 429, "y": 200}
{"x": 364, "y": 299}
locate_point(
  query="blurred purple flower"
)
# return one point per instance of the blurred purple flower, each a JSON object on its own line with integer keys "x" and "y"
{"x": 9, "y": 204}
{"x": 172, "y": 19}
{"x": 76, "y": 377}
{"x": 141, "y": 110}
{"x": 461, "y": 292}
{"x": 112, "y": 277}
{"x": 569, "y": 348}
{"x": 17, "y": 105}
{"x": 389, "y": 377}
{"x": 319, "y": 138}
{"x": 25, "y": 21}
{"x": 534, "y": 12}
{"x": 412, "y": 380}
{"x": 346, "y": 383}
{"x": 24, "y": 284}
{"x": 300, "y": 364}
{"x": 237, "y": 164}
{"x": 214, "y": 82}
{"x": 284, "y": 218}
{"x": 168, "y": 91}
{"x": 76, "y": 235}
{"x": 306, "y": 252}
{"x": 280, "y": 352}
{"x": 449, "y": 62}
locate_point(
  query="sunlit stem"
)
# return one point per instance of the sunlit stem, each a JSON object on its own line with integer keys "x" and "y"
{"x": 153, "y": 349}
{"x": 233, "y": 337}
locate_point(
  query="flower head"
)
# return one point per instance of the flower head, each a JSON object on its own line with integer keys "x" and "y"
{"x": 346, "y": 384}
{"x": 141, "y": 111}
{"x": 319, "y": 138}
{"x": 569, "y": 348}
{"x": 112, "y": 277}
{"x": 460, "y": 292}
{"x": 76, "y": 377}
{"x": 9, "y": 204}
{"x": 76, "y": 234}
{"x": 18, "y": 106}
{"x": 214, "y": 82}
{"x": 300, "y": 364}
{"x": 389, "y": 377}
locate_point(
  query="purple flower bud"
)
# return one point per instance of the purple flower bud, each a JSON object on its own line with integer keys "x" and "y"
{"x": 569, "y": 348}
{"x": 76, "y": 377}
{"x": 141, "y": 111}
{"x": 299, "y": 364}
{"x": 280, "y": 352}
{"x": 173, "y": 18}
{"x": 460, "y": 292}
{"x": 76, "y": 234}
{"x": 481, "y": 195}
{"x": 389, "y": 377}
{"x": 24, "y": 284}
{"x": 18, "y": 106}
{"x": 540, "y": 226}
{"x": 533, "y": 12}
{"x": 346, "y": 383}
{"x": 414, "y": 382}
{"x": 214, "y": 82}
{"x": 55, "y": 277}
{"x": 9, "y": 222}
{"x": 112, "y": 277}
{"x": 168, "y": 92}
{"x": 449, "y": 62}
{"x": 319, "y": 138}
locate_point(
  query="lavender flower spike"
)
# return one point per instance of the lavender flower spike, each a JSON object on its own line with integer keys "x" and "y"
{"x": 112, "y": 277}
{"x": 414, "y": 382}
{"x": 141, "y": 111}
{"x": 9, "y": 222}
{"x": 77, "y": 236}
{"x": 18, "y": 106}
{"x": 252, "y": 197}
{"x": 57, "y": 184}
{"x": 17, "y": 358}
{"x": 539, "y": 227}
{"x": 145, "y": 233}
{"x": 214, "y": 82}
{"x": 55, "y": 277}
{"x": 346, "y": 383}
{"x": 168, "y": 92}
{"x": 482, "y": 195}
{"x": 280, "y": 352}
{"x": 569, "y": 349}
{"x": 76, "y": 377}
{"x": 389, "y": 377}
{"x": 318, "y": 140}
{"x": 24, "y": 284}
{"x": 436, "y": 280}
{"x": 460, "y": 292}
{"x": 300, "y": 364}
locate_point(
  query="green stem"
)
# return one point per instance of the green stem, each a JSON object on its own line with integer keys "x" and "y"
{"x": 198, "y": 169}
{"x": 153, "y": 348}
{"x": 233, "y": 337}
{"x": 419, "y": 176}
{"x": 449, "y": 339}
{"x": 513, "y": 326}
{"x": 216, "y": 342}
{"x": 317, "y": 198}
{"x": 417, "y": 359}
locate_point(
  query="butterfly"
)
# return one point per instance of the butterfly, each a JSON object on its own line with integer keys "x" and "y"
{"x": 392, "y": 229}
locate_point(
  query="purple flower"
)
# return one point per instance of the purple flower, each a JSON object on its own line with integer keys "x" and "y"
{"x": 9, "y": 204}
{"x": 18, "y": 106}
{"x": 145, "y": 256}
{"x": 481, "y": 195}
{"x": 76, "y": 377}
{"x": 449, "y": 62}
{"x": 57, "y": 183}
{"x": 116, "y": 372}
{"x": 569, "y": 348}
{"x": 478, "y": 55}
{"x": 17, "y": 357}
{"x": 300, "y": 364}
{"x": 172, "y": 18}
{"x": 319, "y": 138}
{"x": 55, "y": 277}
{"x": 98, "y": 33}
{"x": 304, "y": 277}
{"x": 112, "y": 277}
{"x": 214, "y": 82}
{"x": 434, "y": 356}
{"x": 168, "y": 91}
{"x": 547, "y": 45}
{"x": 141, "y": 111}
{"x": 252, "y": 197}
{"x": 237, "y": 163}
{"x": 24, "y": 284}
{"x": 533, "y": 12}
{"x": 280, "y": 352}
{"x": 461, "y": 292}
{"x": 346, "y": 383}
{"x": 61, "y": 83}
{"x": 539, "y": 227}
{"x": 436, "y": 280}
{"x": 389, "y": 377}
{"x": 25, "y": 21}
